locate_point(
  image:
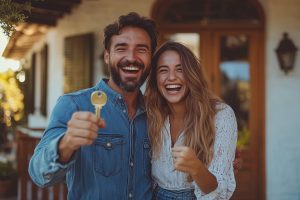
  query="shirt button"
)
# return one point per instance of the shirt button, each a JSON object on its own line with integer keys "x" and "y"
{"x": 124, "y": 111}
{"x": 48, "y": 176}
{"x": 108, "y": 144}
{"x": 131, "y": 164}
{"x": 130, "y": 195}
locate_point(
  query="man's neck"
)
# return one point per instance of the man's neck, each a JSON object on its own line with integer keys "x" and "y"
{"x": 130, "y": 98}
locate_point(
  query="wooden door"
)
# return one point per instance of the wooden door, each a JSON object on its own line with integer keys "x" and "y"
{"x": 238, "y": 78}
{"x": 234, "y": 65}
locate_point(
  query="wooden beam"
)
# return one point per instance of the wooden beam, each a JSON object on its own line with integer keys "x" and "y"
{"x": 52, "y": 5}
{"x": 47, "y": 12}
{"x": 42, "y": 19}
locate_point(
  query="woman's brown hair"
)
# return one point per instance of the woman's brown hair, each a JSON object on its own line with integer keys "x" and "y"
{"x": 199, "y": 126}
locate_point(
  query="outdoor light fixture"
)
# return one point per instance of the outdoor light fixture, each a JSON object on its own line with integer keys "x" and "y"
{"x": 286, "y": 53}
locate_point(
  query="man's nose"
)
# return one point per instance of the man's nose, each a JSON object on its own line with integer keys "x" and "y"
{"x": 131, "y": 56}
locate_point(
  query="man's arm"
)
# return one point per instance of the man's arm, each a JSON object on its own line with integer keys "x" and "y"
{"x": 68, "y": 130}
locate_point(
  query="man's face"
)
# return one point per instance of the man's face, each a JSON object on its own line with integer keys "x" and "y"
{"x": 129, "y": 58}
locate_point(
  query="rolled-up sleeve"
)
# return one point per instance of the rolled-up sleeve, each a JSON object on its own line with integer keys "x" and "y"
{"x": 224, "y": 151}
{"x": 44, "y": 167}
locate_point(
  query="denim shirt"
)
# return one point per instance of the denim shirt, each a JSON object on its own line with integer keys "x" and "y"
{"x": 115, "y": 166}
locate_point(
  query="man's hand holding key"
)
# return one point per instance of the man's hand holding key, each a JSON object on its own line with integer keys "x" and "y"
{"x": 82, "y": 128}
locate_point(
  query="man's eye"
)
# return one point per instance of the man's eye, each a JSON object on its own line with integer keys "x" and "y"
{"x": 142, "y": 50}
{"x": 120, "y": 49}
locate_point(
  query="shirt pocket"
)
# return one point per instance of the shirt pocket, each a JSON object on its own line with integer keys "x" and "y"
{"x": 108, "y": 154}
{"x": 147, "y": 157}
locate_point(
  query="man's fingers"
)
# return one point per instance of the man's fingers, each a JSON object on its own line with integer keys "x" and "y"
{"x": 85, "y": 116}
{"x": 81, "y": 124}
{"x": 80, "y": 141}
{"x": 101, "y": 123}
{"x": 82, "y": 133}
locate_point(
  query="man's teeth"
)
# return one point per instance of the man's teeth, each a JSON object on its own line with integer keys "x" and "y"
{"x": 131, "y": 68}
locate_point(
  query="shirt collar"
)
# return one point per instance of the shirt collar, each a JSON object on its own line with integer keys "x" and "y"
{"x": 116, "y": 97}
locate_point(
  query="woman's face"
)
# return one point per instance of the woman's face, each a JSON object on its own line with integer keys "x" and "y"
{"x": 170, "y": 77}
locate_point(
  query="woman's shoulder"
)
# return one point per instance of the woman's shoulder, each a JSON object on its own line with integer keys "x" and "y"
{"x": 223, "y": 108}
{"x": 225, "y": 123}
{"x": 224, "y": 113}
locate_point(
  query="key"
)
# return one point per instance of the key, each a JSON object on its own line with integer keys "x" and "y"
{"x": 98, "y": 99}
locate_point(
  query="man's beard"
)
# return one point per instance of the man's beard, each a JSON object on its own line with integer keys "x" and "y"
{"x": 128, "y": 85}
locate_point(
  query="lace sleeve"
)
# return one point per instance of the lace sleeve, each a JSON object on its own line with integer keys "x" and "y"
{"x": 224, "y": 151}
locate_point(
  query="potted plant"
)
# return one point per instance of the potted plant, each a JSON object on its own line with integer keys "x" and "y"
{"x": 8, "y": 172}
{"x": 11, "y": 114}
{"x": 8, "y": 177}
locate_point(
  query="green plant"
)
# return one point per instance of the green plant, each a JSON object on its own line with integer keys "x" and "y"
{"x": 11, "y": 111}
{"x": 11, "y": 99}
{"x": 11, "y": 14}
{"x": 7, "y": 170}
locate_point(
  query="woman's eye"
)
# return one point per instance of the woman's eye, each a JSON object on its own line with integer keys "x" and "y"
{"x": 162, "y": 70}
{"x": 179, "y": 69}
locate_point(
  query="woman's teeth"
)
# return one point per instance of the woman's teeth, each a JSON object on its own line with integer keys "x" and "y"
{"x": 173, "y": 87}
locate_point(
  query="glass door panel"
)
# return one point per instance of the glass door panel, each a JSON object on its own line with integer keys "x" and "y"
{"x": 235, "y": 81}
{"x": 190, "y": 40}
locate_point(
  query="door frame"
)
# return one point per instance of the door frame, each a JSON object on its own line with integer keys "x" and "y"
{"x": 257, "y": 104}
{"x": 210, "y": 60}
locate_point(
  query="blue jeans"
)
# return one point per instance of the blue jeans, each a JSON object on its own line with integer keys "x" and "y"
{"x": 163, "y": 194}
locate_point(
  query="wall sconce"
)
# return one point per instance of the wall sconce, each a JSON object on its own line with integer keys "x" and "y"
{"x": 286, "y": 53}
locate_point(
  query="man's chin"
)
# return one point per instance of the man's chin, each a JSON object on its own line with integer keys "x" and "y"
{"x": 130, "y": 87}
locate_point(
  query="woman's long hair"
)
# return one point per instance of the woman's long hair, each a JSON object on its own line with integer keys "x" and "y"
{"x": 199, "y": 126}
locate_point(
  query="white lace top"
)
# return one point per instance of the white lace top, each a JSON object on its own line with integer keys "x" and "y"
{"x": 221, "y": 167}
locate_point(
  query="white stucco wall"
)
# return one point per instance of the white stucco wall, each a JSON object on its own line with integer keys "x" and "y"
{"x": 282, "y": 104}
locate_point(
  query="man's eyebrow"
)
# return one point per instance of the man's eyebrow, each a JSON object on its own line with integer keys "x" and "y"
{"x": 123, "y": 44}
{"x": 144, "y": 45}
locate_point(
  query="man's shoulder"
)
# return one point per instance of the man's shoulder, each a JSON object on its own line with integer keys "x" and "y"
{"x": 78, "y": 97}
{"x": 80, "y": 92}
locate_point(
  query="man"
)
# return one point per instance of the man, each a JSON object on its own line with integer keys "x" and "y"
{"x": 104, "y": 160}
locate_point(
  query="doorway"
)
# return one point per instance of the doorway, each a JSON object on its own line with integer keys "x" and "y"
{"x": 232, "y": 53}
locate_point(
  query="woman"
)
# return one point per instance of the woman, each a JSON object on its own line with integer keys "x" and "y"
{"x": 193, "y": 133}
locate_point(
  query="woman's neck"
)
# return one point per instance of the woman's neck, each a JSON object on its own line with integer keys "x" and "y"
{"x": 177, "y": 111}
{"x": 176, "y": 118}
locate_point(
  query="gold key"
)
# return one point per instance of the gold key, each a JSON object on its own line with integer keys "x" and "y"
{"x": 98, "y": 99}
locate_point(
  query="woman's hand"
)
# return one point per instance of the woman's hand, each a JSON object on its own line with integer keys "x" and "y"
{"x": 185, "y": 160}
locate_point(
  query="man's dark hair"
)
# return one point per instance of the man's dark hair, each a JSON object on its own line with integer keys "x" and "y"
{"x": 135, "y": 20}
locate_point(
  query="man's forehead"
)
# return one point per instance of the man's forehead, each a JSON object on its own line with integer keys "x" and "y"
{"x": 131, "y": 35}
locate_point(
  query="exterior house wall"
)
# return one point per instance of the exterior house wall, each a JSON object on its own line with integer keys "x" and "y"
{"x": 282, "y": 91}
{"x": 282, "y": 104}
{"x": 88, "y": 17}
{"x": 36, "y": 120}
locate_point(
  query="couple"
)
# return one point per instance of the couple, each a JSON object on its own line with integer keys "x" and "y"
{"x": 192, "y": 133}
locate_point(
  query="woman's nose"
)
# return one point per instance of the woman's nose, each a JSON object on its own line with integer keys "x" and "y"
{"x": 172, "y": 75}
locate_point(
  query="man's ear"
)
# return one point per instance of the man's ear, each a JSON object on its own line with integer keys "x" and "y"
{"x": 106, "y": 56}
